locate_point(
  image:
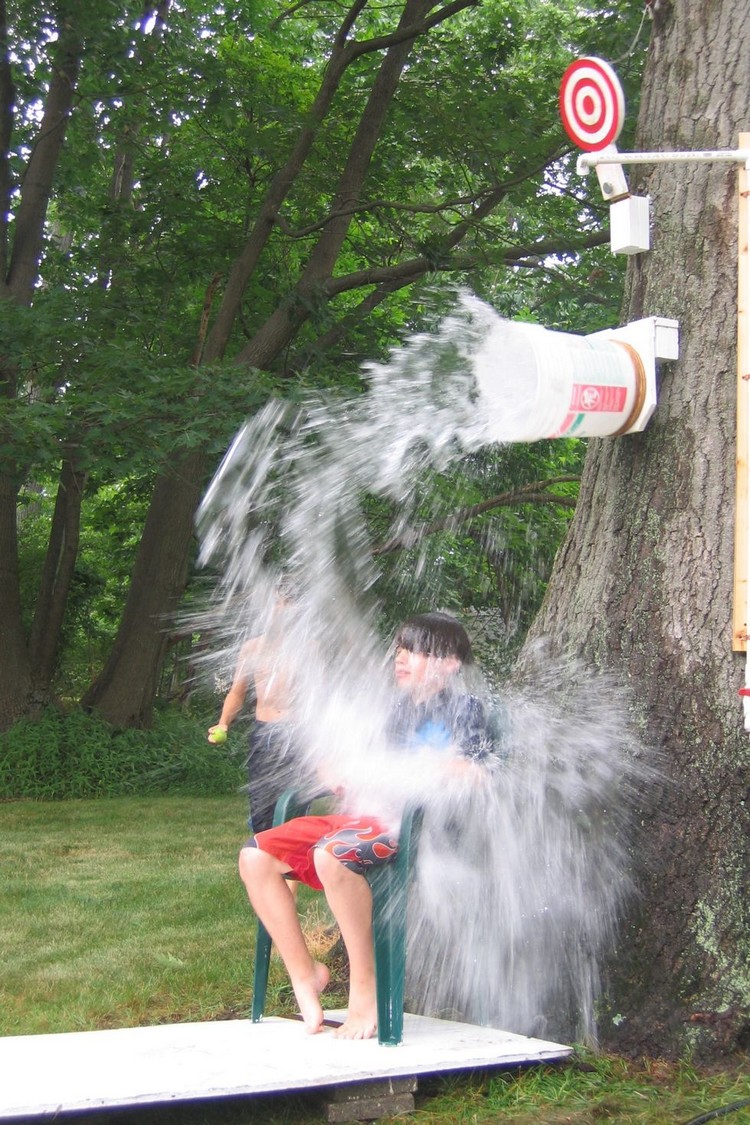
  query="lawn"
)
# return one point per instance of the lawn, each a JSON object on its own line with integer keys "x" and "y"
{"x": 115, "y": 913}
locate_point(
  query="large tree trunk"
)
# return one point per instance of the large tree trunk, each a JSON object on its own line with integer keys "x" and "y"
{"x": 643, "y": 584}
{"x": 57, "y": 577}
{"x": 15, "y": 670}
{"x": 124, "y": 693}
{"x": 19, "y": 270}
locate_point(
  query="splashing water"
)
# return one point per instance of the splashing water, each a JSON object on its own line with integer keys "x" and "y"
{"x": 519, "y": 880}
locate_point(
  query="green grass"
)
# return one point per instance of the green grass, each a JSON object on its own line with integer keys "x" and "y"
{"x": 587, "y": 1091}
{"x": 128, "y": 911}
{"x": 119, "y": 912}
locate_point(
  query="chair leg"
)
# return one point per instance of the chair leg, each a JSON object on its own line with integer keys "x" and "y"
{"x": 289, "y": 804}
{"x": 389, "y": 929}
{"x": 260, "y": 977}
{"x": 390, "y": 892}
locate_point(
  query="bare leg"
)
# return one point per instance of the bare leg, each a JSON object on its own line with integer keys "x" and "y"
{"x": 274, "y": 903}
{"x": 350, "y": 899}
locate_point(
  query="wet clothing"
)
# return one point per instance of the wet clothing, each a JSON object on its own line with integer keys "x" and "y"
{"x": 445, "y": 721}
{"x": 359, "y": 844}
{"x": 274, "y": 764}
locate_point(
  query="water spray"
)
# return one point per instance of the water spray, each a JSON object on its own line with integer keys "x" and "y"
{"x": 519, "y": 880}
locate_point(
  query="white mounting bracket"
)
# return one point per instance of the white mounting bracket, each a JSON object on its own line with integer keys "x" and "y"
{"x": 629, "y": 214}
{"x": 655, "y": 338}
{"x": 612, "y": 179}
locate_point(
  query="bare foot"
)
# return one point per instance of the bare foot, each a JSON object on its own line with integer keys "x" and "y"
{"x": 308, "y": 997}
{"x": 358, "y": 1025}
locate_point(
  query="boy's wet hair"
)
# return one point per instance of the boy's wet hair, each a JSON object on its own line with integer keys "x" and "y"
{"x": 435, "y": 634}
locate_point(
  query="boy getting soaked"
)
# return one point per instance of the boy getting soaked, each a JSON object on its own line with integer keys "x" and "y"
{"x": 333, "y": 853}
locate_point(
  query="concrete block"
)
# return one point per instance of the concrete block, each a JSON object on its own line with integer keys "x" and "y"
{"x": 368, "y": 1101}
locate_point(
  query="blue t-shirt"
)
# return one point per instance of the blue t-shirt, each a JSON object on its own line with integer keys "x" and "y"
{"x": 447, "y": 719}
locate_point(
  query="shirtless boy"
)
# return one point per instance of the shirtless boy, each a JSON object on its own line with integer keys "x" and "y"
{"x": 273, "y": 762}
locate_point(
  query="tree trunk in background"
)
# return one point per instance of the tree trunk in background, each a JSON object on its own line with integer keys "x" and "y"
{"x": 15, "y": 672}
{"x": 19, "y": 271}
{"x": 124, "y": 693}
{"x": 57, "y": 577}
{"x": 644, "y": 583}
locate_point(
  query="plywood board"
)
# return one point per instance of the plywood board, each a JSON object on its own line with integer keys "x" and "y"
{"x": 46, "y": 1074}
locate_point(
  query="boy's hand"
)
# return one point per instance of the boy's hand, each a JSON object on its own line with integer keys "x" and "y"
{"x": 465, "y": 769}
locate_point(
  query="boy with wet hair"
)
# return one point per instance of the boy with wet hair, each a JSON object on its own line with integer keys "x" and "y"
{"x": 333, "y": 853}
{"x": 430, "y": 710}
{"x": 435, "y": 634}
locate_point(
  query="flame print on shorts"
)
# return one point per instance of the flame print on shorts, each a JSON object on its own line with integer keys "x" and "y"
{"x": 360, "y": 848}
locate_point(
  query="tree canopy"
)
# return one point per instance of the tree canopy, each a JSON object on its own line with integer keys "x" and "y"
{"x": 206, "y": 206}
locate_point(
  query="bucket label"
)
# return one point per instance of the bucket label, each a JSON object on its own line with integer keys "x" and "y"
{"x": 593, "y": 398}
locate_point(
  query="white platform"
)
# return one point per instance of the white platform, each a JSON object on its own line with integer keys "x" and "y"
{"x": 42, "y": 1075}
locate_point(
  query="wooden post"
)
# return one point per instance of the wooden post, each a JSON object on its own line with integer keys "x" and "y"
{"x": 740, "y": 623}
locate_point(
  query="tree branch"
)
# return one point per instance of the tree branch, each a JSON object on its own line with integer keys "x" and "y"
{"x": 278, "y": 189}
{"x": 486, "y": 195}
{"x": 41, "y": 166}
{"x": 413, "y": 268}
{"x": 342, "y": 56}
{"x": 336, "y": 332}
{"x": 410, "y": 31}
{"x": 532, "y": 493}
{"x": 281, "y": 326}
{"x": 288, "y": 13}
{"x": 7, "y": 100}
{"x": 375, "y": 205}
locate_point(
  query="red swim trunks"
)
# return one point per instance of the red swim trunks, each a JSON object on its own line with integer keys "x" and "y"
{"x": 358, "y": 842}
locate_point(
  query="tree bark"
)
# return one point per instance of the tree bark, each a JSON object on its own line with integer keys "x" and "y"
{"x": 28, "y": 236}
{"x": 7, "y": 99}
{"x": 57, "y": 575}
{"x": 124, "y": 693}
{"x": 643, "y": 583}
{"x": 15, "y": 668}
{"x": 20, "y": 270}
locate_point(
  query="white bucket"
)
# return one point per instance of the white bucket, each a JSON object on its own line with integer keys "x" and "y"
{"x": 532, "y": 383}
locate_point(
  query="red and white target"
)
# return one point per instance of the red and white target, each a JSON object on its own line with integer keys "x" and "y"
{"x": 592, "y": 104}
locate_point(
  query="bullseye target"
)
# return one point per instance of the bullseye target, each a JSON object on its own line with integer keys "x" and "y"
{"x": 592, "y": 104}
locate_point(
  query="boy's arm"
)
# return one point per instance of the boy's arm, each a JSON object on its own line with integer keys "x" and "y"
{"x": 471, "y": 737}
{"x": 235, "y": 697}
{"x": 470, "y": 730}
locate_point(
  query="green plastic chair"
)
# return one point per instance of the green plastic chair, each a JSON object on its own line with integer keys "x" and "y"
{"x": 390, "y": 884}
